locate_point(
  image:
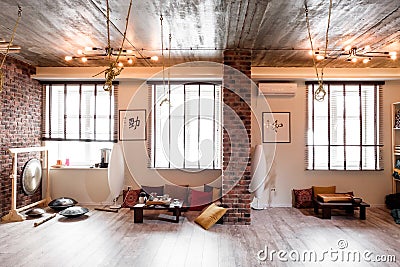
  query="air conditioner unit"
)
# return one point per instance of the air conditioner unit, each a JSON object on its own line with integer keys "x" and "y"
{"x": 283, "y": 89}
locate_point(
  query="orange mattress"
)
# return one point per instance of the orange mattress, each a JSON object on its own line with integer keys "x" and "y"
{"x": 334, "y": 197}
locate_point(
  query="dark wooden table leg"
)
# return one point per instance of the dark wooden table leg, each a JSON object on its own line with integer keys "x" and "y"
{"x": 363, "y": 213}
{"x": 326, "y": 212}
{"x": 138, "y": 215}
{"x": 177, "y": 213}
{"x": 315, "y": 208}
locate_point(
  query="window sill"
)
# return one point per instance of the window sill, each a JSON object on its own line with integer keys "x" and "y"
{"x": 76, "y": 168}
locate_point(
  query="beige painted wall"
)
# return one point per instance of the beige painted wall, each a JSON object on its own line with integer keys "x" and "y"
{"x": 288, "y": 168}
{"x": 87, "y": 186}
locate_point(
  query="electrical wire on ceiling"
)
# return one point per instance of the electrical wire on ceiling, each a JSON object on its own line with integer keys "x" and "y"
{"x": 167, "y": 94}
{"x": 351, "y": 53}
{"x": 383, "y": 20}
{"x": 122, "y": 34}
{"x": 8, "y": 48}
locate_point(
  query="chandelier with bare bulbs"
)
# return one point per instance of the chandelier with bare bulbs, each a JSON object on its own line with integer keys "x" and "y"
{"x": 126, "y": 56}
{"x": 355, "y": 54}
{"x": 114, "y": 57}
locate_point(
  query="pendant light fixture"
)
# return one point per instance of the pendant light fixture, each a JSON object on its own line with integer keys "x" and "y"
{"x": 114, "y": 68}
{"x": 320, "y": 93}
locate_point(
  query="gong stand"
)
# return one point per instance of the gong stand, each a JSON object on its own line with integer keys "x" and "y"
{"x": 14, "y": 215}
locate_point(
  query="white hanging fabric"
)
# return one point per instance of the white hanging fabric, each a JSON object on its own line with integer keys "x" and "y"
{"x": 259, "y": 172}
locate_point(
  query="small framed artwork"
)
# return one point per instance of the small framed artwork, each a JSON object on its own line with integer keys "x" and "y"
{"x": 132, "y": 125}
{"x": 276, "y": 127}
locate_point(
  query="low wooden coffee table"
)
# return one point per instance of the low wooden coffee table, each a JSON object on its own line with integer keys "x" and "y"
{"x": 348, "y": 206}
{"x": 175, "y": 207}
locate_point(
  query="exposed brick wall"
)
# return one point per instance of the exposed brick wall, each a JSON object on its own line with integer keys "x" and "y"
{"x": 237, "y": 96}
{"x": 20, "y": 126}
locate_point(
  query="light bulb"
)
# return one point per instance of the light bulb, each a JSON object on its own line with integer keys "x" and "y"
{"x": 80, "y": 52}
{"x": 129, "y": 51}
{"x": 366, "y": 60}
{"x": 154, "y": 58}
{"x": 393, "y": 55}
{"x": 84, "y": 59}
{"x": 107, "y": 86}
{"x": 310, "y": 52}
{"x": 320, "y": 57}
{"x": 367, "y": 48}
{"x": 320, "y": 93}
{"x": 120, "y": 64}
{"x": 88, "y": 48}
{"x": 130, "y": 61}
{"x": 68, "y": 58}
{"x": 354, "y": 60}
{"x": 347, "y": 48}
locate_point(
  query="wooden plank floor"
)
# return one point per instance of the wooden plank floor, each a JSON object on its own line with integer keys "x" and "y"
{"x": 112, "y": 239}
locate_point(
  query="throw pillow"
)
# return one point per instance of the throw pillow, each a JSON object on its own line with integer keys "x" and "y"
{"x": 130, "y": 197}
{"x": 210, "y": 216}
{"x": 156, "y": 189}
{"x": 323, "y": 190}
{"x": 179, "y": 192}
{"x": 199, "y": 200}
{"x": 208, "y": 188}
{"x": 303, "y": 198}
{"x": 215, "y": 190}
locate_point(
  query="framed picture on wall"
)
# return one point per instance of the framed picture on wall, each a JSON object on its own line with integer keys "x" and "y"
{"x": 132, "y": 125}
{"x": 276, "y": 127}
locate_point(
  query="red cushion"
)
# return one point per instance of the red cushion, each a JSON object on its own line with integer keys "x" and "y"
{"x": 303, "y": 198}
{"x": 130, "y": 197}
{"x": 199, "y": 200}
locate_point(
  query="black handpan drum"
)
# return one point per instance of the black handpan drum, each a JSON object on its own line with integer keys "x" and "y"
{"x": 62, "y": 203}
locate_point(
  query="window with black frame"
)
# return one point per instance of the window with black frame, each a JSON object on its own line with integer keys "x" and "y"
{"x": 78, "y": 120}
{"x": 185, "y": 126}
{"x": 344, "y": 130}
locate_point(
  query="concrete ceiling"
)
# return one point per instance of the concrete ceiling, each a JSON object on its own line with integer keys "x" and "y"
{"x": 274, "y": 30}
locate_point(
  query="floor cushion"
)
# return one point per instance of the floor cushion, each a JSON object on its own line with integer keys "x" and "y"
{"x": 130, "y": 197}
{"x": 337, "y": 197}
{"x": 323, "y": 190}
{"x": 210, "y": 216}
{"x": 303, "y": 198}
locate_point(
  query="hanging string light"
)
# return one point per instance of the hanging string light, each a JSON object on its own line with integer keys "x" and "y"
{"x": 166, "y": 99}
{"x": 320, "y": 93}
{"x": 114, "y": 68}
{"x": 8, "y": 48}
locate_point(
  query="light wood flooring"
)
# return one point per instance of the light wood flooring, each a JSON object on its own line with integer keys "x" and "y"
{"x": 112, "y": 239}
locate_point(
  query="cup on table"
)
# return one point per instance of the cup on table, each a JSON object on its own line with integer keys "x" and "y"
{"x": 59, "y": 162}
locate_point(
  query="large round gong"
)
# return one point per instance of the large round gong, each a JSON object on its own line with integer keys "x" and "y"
{"x": 31, "y": 176}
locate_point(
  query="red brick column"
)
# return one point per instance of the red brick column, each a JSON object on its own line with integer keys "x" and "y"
{"x": 20, "y": 126}
{"x": 236, "y": 155}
